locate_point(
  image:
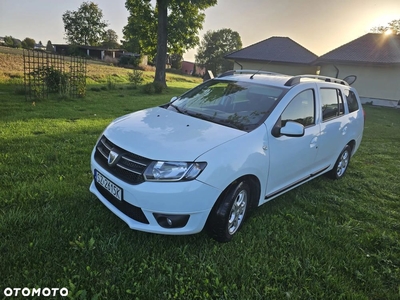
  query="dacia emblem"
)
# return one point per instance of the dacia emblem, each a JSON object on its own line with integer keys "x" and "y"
{"x": 113, "y": 158}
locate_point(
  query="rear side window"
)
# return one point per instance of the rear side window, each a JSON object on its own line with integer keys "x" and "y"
{"x": 352, "y": 102}
{"x": 331, "y": 103}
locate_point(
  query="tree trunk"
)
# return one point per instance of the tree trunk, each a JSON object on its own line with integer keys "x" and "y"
{"x": 161, "y": 42}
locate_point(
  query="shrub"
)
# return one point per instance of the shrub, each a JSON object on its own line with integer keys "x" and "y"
{"x": 111, "y": 85}
{"x": 148, "y": 88}
{"x": 110, "y": 60}
{"x": 136, "y": 77}
{"x": 130, "y": 60}
{"x": 55, "y": 80}
{"x": 153, "y": 87}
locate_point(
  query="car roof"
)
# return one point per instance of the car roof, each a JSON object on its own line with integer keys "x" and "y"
{"x": 276, "y": 79}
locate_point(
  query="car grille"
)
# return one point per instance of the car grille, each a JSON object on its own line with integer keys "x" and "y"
{"x": 130, "y": 210}
{"x": 129, "y": 168}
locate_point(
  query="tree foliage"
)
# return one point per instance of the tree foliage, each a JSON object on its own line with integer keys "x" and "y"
{"x": 110, "y": 40}
{"x": 140, "y": 32}
{"x": 28, "y": 43}
{"x": 84, "y": 26}
{"x": 8, "y": 40}
{"x": 393, "y": 25}
{"x": 12, "y": 42}
{"x": 176, "y": 61}
{"x": 171, "y": 26}
{"x": 214, "y": 46}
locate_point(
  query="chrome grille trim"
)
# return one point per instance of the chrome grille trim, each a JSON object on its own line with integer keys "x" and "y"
{"x": 134, "y": 161}
{"x": 102, "y": 152}
{"x": 122, "y": 167}
{"x": 129, "y": 168}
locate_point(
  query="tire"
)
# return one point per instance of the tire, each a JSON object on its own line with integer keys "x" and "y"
{"x": 342, "y": 163}
{"x": 228, "y": 214}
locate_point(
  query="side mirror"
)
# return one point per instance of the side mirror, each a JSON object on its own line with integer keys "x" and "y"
{"x": 173, "y": 99}
{"x": 292, "y": 129}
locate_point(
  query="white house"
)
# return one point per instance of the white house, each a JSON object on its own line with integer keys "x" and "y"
{"x": 276, "y": 54}
{"x": 375, "y": 59}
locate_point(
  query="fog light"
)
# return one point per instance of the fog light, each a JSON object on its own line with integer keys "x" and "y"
{"x": 171, "y": 221}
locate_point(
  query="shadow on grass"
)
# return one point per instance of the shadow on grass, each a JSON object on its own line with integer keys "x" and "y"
{"x": 107, "y": 104}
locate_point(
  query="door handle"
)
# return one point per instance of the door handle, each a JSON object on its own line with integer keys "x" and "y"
{"x": 344, "y": 130}
{"x": 313, "y": 142}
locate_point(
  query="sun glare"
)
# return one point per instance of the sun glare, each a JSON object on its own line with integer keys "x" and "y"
{"x": 383, "y": 20}
{"x": 388, "y": 32}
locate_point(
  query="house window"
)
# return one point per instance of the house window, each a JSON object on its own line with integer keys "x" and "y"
{"x": 331, "y": 103}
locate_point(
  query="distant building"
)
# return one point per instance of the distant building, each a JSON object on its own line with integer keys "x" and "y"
{"x": 375, "y": 59}
{"x": 92, "y": 51}
{"x": 188, "y": 67}
{"x": 275, "y": 54}
{"x": 39, "y": 47}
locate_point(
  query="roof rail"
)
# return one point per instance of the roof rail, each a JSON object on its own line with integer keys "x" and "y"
{"x": 253, "y": 72}
{"x": 296, "y": 79}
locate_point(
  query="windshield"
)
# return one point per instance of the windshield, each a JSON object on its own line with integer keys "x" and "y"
{"x": 241, "y": 105}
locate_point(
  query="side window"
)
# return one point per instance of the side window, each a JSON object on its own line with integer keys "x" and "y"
{"x": 331, "y": 103}
{"x": 301, "y": 109}
{"x": 352, "y": 102}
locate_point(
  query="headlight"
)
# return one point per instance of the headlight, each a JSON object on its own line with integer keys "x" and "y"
{"x": 173, "y": 170}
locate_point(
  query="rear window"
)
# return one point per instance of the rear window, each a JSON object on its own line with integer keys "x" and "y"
{"x": 351, "y": 100}
{"x": 331, "y": 103}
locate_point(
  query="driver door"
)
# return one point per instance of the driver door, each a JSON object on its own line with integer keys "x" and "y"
{"x": 292, "y": 158}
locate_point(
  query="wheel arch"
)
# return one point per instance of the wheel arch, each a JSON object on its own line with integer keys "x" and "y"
{"x": 352, "y": 145}
{"x": 255, "y": 190}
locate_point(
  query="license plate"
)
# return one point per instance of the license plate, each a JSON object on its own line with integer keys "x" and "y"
{"x": 110, "y": 186}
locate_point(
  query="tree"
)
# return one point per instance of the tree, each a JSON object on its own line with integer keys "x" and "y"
{"x": 394, "y": 26}
{"x": 176, "y": 22}
{"x": 176, "y": 61}
{"x": 139, "y": 33}
{"x": 213, "y": 48}
{"x": 110, "y": 40}
{"x": 49, "y": 47}
{"x": 9, "y": 41}
{"x": 84, "y": 26}
{"x": 28, "y": 43}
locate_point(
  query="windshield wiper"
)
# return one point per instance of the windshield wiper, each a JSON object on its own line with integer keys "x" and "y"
{"x": 221, "y": 122}
{"x": 178, "y": 109}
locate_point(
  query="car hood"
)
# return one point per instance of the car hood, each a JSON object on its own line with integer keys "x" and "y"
{"x": 162, "y": 134}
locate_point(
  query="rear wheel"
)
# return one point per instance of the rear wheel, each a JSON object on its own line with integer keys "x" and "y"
{"x": 227, "y": 216}
{"x": 341, "y": 164}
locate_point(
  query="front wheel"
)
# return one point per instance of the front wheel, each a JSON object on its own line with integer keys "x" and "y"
{"x": 228, "y": 215}
{"x": 341, "y": 164}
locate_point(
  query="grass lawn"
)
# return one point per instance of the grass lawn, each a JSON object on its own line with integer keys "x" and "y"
{"x": 324, "y": 240}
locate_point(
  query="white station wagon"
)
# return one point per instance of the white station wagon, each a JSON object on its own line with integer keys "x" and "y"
{"x": 234, "y": 142}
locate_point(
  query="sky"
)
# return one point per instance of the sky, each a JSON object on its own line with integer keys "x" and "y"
{"x": 318, "y": 25}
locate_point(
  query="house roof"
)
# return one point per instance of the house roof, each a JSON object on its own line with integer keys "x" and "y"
{"x": 275, "y": 49}
{"x": 371, "y": 48}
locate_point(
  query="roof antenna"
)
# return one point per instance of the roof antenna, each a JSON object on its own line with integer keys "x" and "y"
{"x": 251, "y": 77}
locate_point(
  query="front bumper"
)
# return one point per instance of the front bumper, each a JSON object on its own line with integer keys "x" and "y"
{"x": 145, "y": 206}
